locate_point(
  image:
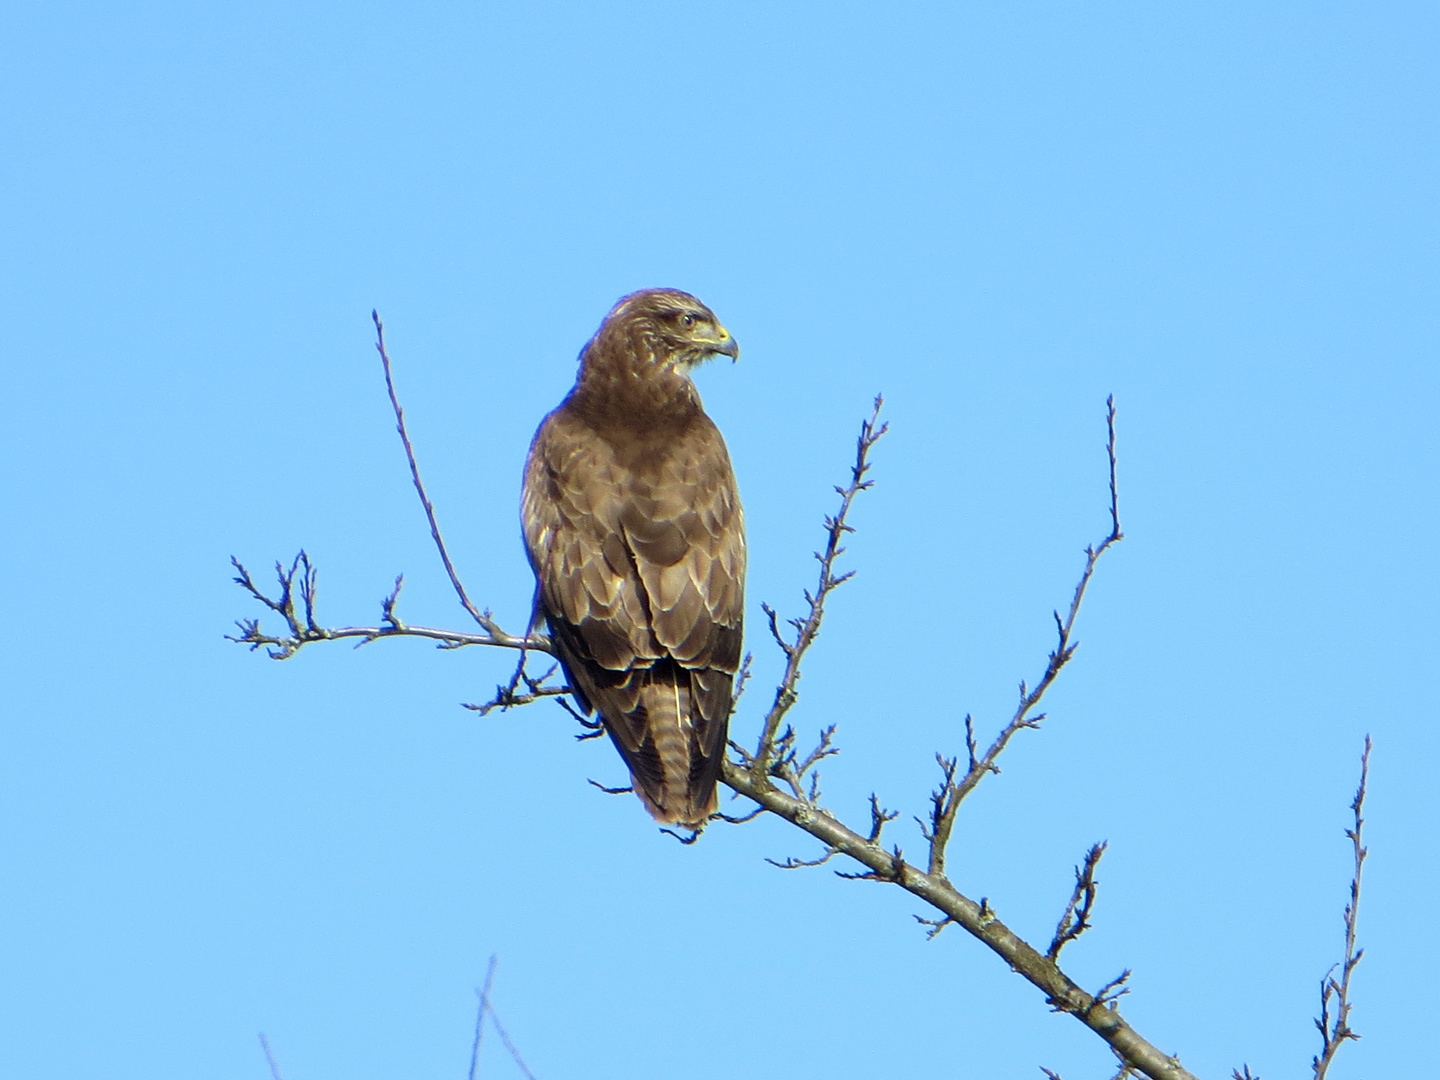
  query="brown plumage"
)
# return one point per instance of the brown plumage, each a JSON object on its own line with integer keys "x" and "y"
{"x": 635, "y": 533}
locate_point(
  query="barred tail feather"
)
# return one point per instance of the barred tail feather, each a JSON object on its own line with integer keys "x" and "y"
{"x": 679, "y": 786}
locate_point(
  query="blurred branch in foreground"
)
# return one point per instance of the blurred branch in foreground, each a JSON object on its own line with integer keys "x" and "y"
{"x": 488, "y": 1010}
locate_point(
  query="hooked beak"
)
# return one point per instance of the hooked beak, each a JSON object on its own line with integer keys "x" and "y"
{"x": 726, "y": 345}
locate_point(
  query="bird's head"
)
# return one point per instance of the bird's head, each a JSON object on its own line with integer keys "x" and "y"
{"x": 673, "y": 327}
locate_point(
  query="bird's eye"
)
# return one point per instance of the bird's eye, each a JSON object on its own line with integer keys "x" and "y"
{"x": 687, "y": 320}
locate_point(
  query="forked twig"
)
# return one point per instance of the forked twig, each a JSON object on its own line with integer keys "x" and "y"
{"x": 509, "y": 695}
{"x": 484, "y": 994}
{"x": 1076, "y": 919}
{"x": 487, "y": 1009}
{"x": 304, "y": 630}
{"x": 951, "y": 792}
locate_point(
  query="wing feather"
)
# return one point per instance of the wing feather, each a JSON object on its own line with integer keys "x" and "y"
{"x": 639, "y": 551}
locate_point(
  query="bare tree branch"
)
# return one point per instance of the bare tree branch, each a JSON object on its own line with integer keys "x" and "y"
{"x": 1111, "y": 991}
{"x": 482, "y": 619}
{"x": 808, "y": 628}
{"x": 270, "y": 1058}
{"x": 776, "y": 757}
{"x": 1336, "y": 1031}
{"x": 795, "y": 864}
{"x": 509, "y": 1043}
{"x": 487, "y": 1009}
{"x": 741, "y": 819}
{"x": 302, "y": 629}
{"x": 751, "y": 776}
{"x": 484, "y": 995}
{"x": 626, "y": 790}
{"x": 951, "y": 793}
{"x": 977, "y": 919}
{"x": 509, "y": 695}
{"x": 1076, "y": 919}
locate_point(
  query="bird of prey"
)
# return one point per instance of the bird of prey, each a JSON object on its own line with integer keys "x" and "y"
{"x": 633, "y": 526}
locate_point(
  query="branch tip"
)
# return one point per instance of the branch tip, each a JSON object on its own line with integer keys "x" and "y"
{"x": 1335, "y": 1029}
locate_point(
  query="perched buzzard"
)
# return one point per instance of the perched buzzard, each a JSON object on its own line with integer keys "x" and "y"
{"x": 635, "y": 533}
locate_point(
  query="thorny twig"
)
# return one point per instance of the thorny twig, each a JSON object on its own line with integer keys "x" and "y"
{"x": 1334, "y": 1032}
{"x": 952, "y": 792}
{"x": 1076, "y": 919}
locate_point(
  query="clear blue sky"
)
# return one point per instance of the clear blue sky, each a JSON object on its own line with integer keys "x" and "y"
{"x": 1224, "y": 214}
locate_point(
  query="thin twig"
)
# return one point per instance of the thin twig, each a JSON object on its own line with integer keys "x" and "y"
{"x": 1335, "y": 1033}
{"x": 792, "y": 863}
{"x": 626, "y": 790}
{"x": 484, "y": 994}
{"x": 483, "y": 619}
{"x": 739, "y": 819}
{"x": 509, "y": 1043}
{"x": 270, "y": 1058}
{"x": 1076, "y": 919}
{"x": 594, "y": 729}
{"x": 1114, "y": 990}
{"x": 302, "y": 630}
{"x": 951, "y": 792}
{"x": 935, "y": 925}
{"x": 509, "y": 697}
{"x": 806, "y": 629}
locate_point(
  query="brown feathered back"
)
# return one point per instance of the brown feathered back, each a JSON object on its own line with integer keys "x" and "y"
{"x": 634, "y": 530}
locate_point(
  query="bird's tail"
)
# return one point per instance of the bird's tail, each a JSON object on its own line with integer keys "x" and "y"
{"x": 676, "y": 778}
